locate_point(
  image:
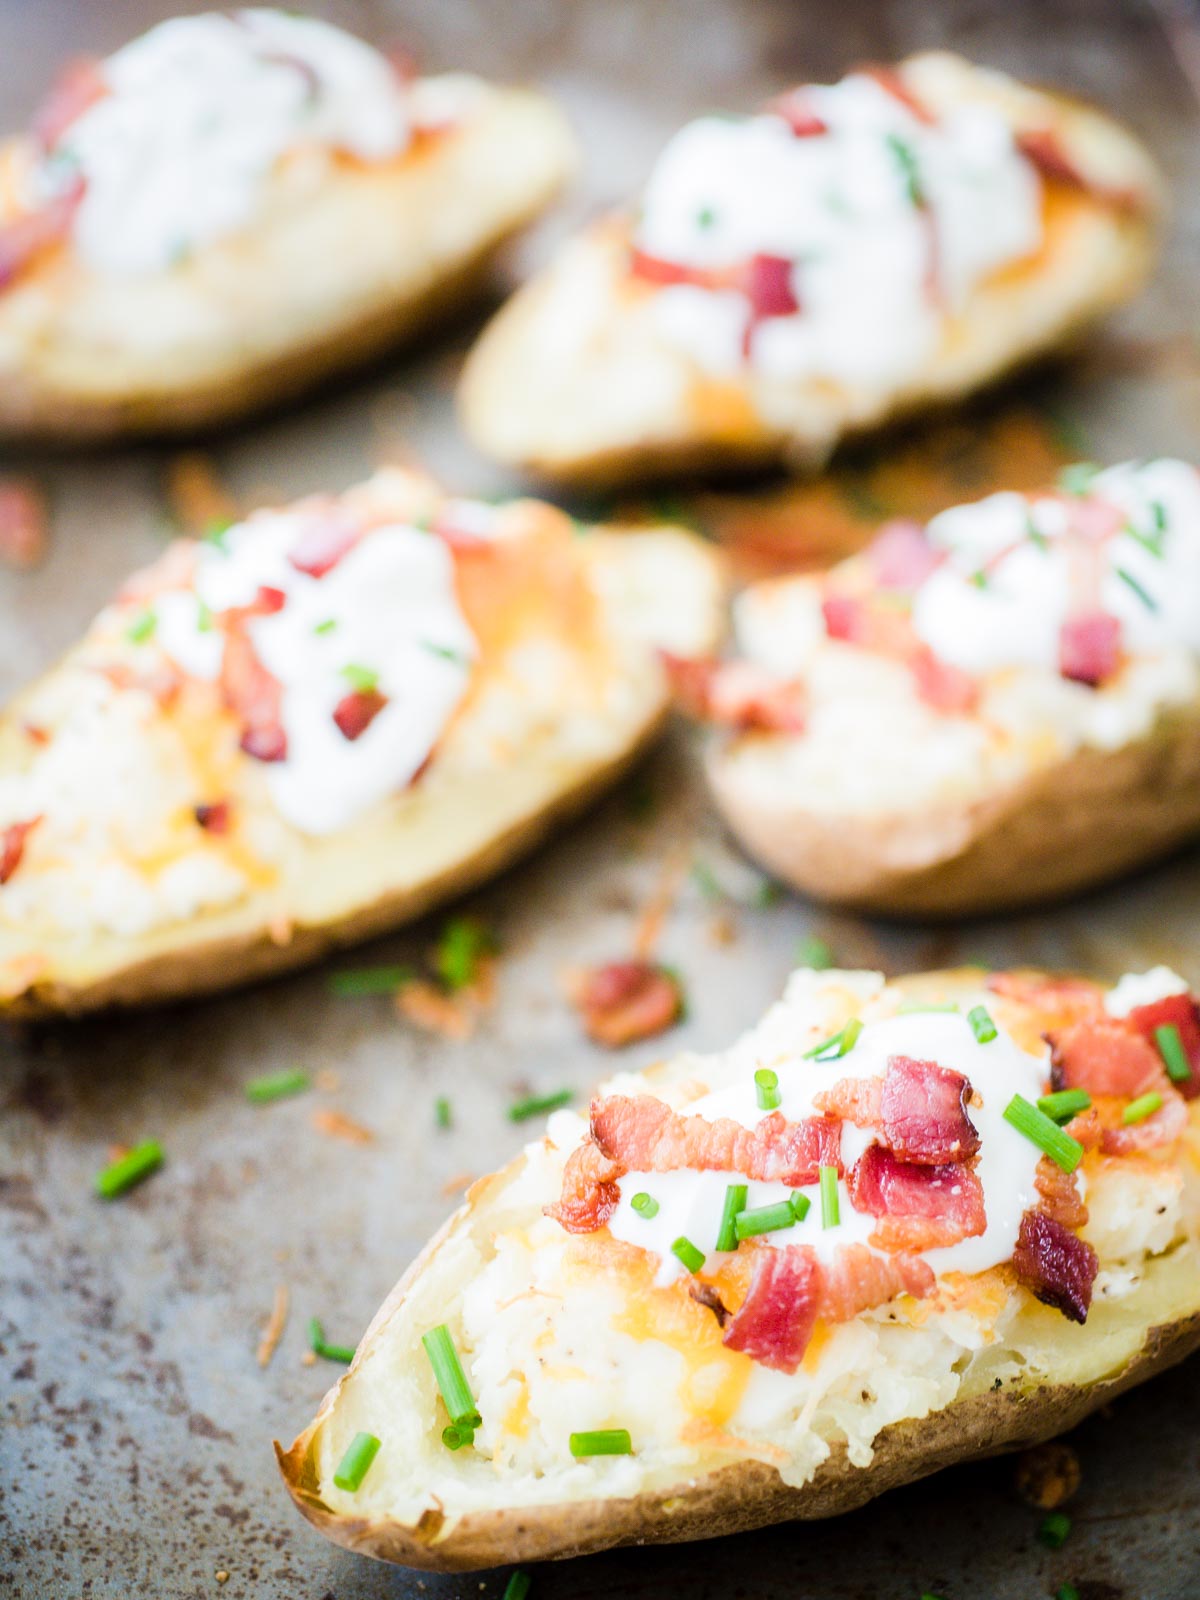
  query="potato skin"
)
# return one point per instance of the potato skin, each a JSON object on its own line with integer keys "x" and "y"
{"x": 1063, "y": 828}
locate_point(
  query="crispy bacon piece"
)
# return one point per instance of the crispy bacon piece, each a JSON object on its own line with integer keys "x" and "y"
{"x": 589, "y": 1193}
{"x": 738, "y": 693}
{"x": 901, "y": 555}
{"x": 645, "y": 1135}
{"x": 1105, "y": 1058}
{"x": 1055, "y": 1265}
{"x": 705, "y": 1295}
{"x": 1063, "y": 1000}
{"x": 920, "y": 1207}
{"x": 215, "y": 817}
{"x": 329, "y": 536}
{"x": 1093, "y": 518}
{"x": 1042, "y": 148}
{"x": 1163, "y": 1127}
{"x": 1060, "y": 1194}
{"x": 657, "y": 270}
{"x": 796, "y": 111}
{"x": 789, "y": 1289}
{"x": 255, "y": 696}
{"x": 1089, "y": 647}
{"x": 24, "y": 238}
{"x": 846, "y": 618}
{"x": 1087, "y": 1128}
{"x": 1182, "y": 1012}
{"x": 627, "y": 1000}
{"x": 24, "y": 530}
{"x": 766, "y": 281}
{"x": 77, "y": 87}
{"x": 919, "y": 1108}
{"x": 12, "y": 846}
{"x": 942, "y": 686}
{"x": 355, "y": 712}
{"x": 890, "y": 81}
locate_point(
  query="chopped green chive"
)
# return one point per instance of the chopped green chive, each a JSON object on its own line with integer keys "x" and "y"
{"x": 1064, "y": 1104}
{"x": 361, "y": 679}
{"x": 537, "y": 1105}
{"x": 204, "y": 617}
{"x": 1144, "y": 1106}
{"x": 327, "y": 626}
{"x": 1147, "y": 599}
{"x": 766, "y": 1087}
{"x": 705, "y": 217}
{"x": 353, "y": 1466}
{"x": 764, "y": 1219}
{"x": 705, "y": 880}
{"x": 1078, "y": 478}
{"x": 815, "y": 953}
{"x": 141, "y": 628}
{"x": 909, "y": 171}
{"x": 369, "y": 980}
{"x": 979, "y": 578}
{"x": 457, "y": 1434}
{"x": 837, "y": 1045}
{"x": 1054, "y": 1530}
{"x": 735, "y": 1203}
{"x": 684, "y": 1250}
{"x": 1035, "y": 535}
{"x": 830, "y": 1211}
{"x": 982, "y": 1025}
{"x": 276, "y": 1086}
{"x": 1066, "y": 1591}
{"x": 801, "y": 1205}
{"x": 766, "y": 893}
{"x": 517, "y": 1587}
{"x": 602, "y": 1442}
{"x": 442, "y": 1114}
{"x": 450, "y": 1377}
{"x": 328, "y": 1352}
{"x": 463, "y": 943}
{"x": 446, "y": 651}
{"x": 908, "y": 1008}
{"x": 1150, "y": 542}
{"x": 1170, "y": 1048}
{"x": 215, "y": 533}
{"x": 645, "y": 1205}
{"x": 1041, "y": 1131}
{"x": 1159, "y": 512}
{"x": 129, "y": 1169}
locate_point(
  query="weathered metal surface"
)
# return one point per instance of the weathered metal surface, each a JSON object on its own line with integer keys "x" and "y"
{"x": 135, "y": 1454}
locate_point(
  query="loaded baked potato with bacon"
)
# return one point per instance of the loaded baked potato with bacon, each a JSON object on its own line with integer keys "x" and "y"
{"x": 850, "y": 254}
{"x": 896, "y": 1226}
{"x": 238, "y": 203}
{"x": 997, "y": 708}
{"x": 317, "y": 723}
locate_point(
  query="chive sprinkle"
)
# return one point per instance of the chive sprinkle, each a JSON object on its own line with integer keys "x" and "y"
{"x": 517, "y": 1586}
{"x": 735, "y": 1203}
{"x": 361, "y": 679}
{"x": 705, "y": 880}
{"x": 327, "y": 626}
{"x": 1077, "y": 478}
{"x": 462, "y": 944}
{"x": 450, "y": 1377}
{"x": 215, "y": 533}
{"x": 684, "y": 1250}
{"x": 536, "y": 1105}
{"x": 204, "y": 617}
{"x": 766, "y": 1087}
{"x": 1054, "y": 1530}
{"x": 705, "y": 217}
{"x": 801, "y": 1205}
{"x": 1159, "y": 512}
{"x": 276, "y": 1086}
{"x": 319, "y": 1346}
{"x": 837, "y": 1045}
{"x": 1035, "y": 535}
{"x": 140, "y": 629}
{"x": 1144, "y": 1106}
{"x": 457, "y": 1434}
{"x": 369, "y": 980}
{"x": 979, "y": 578}
{"x": 645, "y": 1205}
{"x": 353, "y": 1466}
{"x": 1147, "y": 599}
{"x": 908, "y": 1008}
{"x": 1067, "y": 1591}
{"x": 445, "y": 651}
{"x": 129, "y": 1169}
{"x": 1170, "y": 1048}
{"x": 982, "y": 1025}
{"x": 815, "y": 953}
{"x": 910, "y": 172}
{"x": 1064, "y": 1104}
{"x": 1041, "y": 1131}
{"x": 766, "y": 893}
{"x": 764, "y": 1219}
{"x": 602, "y": 1442}
{"x": 830, "y": 1211}
{"x": 442, "y": 1113}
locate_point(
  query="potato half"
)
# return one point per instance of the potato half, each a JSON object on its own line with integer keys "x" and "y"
{"x": 572, "y": 381}
{"x": 1030, "y": 1375}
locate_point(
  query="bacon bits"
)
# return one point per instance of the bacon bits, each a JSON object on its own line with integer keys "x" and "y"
{"x": 739, "y": 694}
{"x": 329, "y": 536}
{"x": 76, "y": 88}
{"x": 1089, "y": 647}
{"x": 1163, "y": 1127}
{"x": 23, "y": 238}
{"x": 589, "y": 1193}
{"x": 355, "y": 712}
{"x": 12, "y": 846}
{"x": 215, "y": 817}
{"x": 901, "y": 556}
{"x": 919, "y": 1207}
{"x": 797, "y": 112}
{"x": 24, "y": 525}
{"x": 1105, "y": 1058}
{"x": 919, "y": 1108}
{"x": 1059, "y": 1193}
{"x": 645, "y": 1135}
{"x": 1055, "y": 1265}
{"x": 942, "y": 686}
{"x": 628, "y": 1000}
{"x": 255, "y": 696}
{"x": 1182, "y": 1012}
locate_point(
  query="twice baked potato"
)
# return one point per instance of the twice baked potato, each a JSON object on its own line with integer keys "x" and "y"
{"x": 317, "y": 724}
{"x": 1000, "y": 708}
{"x": 774, "y": 1282}
{"x": 237, "y": 204}
{"x": 851, "y": 254}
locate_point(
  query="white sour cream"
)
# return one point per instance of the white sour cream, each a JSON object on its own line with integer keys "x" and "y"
{"x": 1015, "y": 619}
{"x": 394, "y": 612}
{"x": 1143, "y": 989}
{"x": 199, "y": 111}
{"x": 690, "y": 1203}
{"x": 839, "y": 206}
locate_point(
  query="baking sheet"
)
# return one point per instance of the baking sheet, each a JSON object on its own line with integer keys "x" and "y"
{"x": 135, "y": 1420}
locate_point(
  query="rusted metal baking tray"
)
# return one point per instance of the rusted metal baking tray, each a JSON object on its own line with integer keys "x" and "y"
{"x": 135, "y": 1418}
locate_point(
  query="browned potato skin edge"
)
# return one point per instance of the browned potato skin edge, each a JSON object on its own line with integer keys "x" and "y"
{"x": 1074, "y": 824}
